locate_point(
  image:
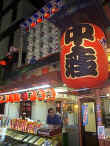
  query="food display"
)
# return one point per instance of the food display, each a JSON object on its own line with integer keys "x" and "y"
{"x": 40, "y": 141}
{"x": 34, "y": 139}
{"x": 9, "y": 133}
{"x": 25, "y": 125}
{"x": 28, "y": 138}
{"x": 19, "y": 137}
{"x": 49, "y": 132}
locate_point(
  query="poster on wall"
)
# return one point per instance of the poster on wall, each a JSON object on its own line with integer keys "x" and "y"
{"x": 101, "y": 132}
{"x": 85, "y": 114}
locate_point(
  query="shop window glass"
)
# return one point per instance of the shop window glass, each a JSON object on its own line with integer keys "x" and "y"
{"x": 106, "y": 112}
{"x": 70, "y": 114}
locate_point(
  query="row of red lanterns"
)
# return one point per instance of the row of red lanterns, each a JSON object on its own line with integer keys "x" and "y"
{"x": 45, "y": 16}
{"x": 48, "y": 95}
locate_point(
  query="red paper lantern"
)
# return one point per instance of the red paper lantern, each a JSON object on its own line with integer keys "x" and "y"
{"x": 33, "y": 24}
{"x": 24, "y": 96}
{"x": 50, "y": 94}
{"x": 40, "y": 94}
{"x": 32, "y": 95}
{"x": 11, "y": 98}
{"x": 16, "y": 97}
{"x": 45, "y": 70}
{"x": 7, "y": 98}
{"x": 54, "y": 10}
{"x": 3, "y": 99}
{"x": 3, "y": 62}
{"x": 83, "y": 60}
{"x": 39, "y": 20}
{"x": 46, "y": 15}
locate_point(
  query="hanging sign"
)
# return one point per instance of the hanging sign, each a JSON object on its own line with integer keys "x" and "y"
{"x": 83, "y": 60}
{"x": 85, "y": 114}
{"x": 101, "y": 132}
{"x": 48, "y": 94}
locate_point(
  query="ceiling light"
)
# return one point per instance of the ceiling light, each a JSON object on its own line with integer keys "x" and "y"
{"x": 107, "y": 94}
{"x": 24, "y": 90}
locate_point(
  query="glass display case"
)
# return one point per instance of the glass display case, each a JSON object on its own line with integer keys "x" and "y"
{"x": 13, "y": 137}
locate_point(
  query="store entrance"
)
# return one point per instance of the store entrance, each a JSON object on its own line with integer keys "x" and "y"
{"x": 88, "y": 122}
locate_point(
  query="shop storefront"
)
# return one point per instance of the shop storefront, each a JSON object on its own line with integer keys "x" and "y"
{"x": 72, "y": 88}
{"x": 33, "y": 129}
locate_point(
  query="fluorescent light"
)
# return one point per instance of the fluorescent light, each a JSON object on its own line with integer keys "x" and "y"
{"x": 82, "y": 89}
{"x": 76, "y": 106}
{"x": 107, "y": 94}
{"x": 61, "y": 89}
{"x": 24, "y": 90}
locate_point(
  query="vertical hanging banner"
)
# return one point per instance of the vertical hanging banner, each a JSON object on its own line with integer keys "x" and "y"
{"x": 84, "y": 63}
{"x": 85, "y": 114}
{"x": 101, "y": 132}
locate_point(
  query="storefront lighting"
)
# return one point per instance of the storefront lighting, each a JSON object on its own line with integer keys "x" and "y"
{"x": 60, "y": 90}
{"x": 82, "y": 89}
{"x": 107, "y": 94}
{"x": 109, "y": 58}
{"x": 25, "y": 90}
{"x": 76, "y": 106}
